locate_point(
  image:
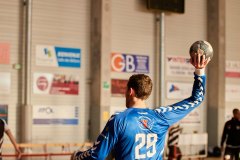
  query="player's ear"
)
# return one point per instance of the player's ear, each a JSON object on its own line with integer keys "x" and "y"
{"x": 132, "y": 92}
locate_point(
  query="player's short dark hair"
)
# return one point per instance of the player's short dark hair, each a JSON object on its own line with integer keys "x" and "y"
{"x": 141, "y": 84}
{"x": 235, "y": 111}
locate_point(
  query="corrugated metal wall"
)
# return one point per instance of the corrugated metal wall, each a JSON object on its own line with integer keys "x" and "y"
{"x": 132, "y": 33}
{"x": 66, "y": 24}
{"x": 232, "y": 48}
{"x": 181, "y": 30}
{"x": 10, "y": 34}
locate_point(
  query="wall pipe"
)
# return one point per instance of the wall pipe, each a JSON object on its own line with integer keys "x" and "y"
{"x": 26, "y": 135}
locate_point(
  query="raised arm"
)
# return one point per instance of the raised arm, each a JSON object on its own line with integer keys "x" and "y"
{"x": 177, "y": 111}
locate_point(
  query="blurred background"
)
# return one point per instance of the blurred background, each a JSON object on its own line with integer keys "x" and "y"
{"x": 64, "y": 65}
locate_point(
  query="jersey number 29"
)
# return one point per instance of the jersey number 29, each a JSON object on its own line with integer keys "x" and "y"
{"x": 148, "y": 140}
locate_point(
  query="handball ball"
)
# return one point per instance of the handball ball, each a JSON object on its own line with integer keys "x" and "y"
{"x": 204, "y": 46}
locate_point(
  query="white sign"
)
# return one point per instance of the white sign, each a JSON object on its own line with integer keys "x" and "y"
{"x": 193, "y": 117}
{"x": 179, "y": 90}
{"x": 5, "y": 83}
{"x": 232, "y": 69}
{"x": 46, "y": 114}
{"x": 55, "y": 56}
{"x": 179, "y": 66}
{"x": 232, "y": 93}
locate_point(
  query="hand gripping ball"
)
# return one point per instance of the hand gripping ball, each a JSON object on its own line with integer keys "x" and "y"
{"x": 204, "y": 46}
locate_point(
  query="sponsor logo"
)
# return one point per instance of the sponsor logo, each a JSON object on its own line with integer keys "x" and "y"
{"x": 145, "y": 123}
{"x": 47, "y": 110}
{"x": 129, "y": 63}
{"x": 173, "y": 88}
{"x": 42, "y": 83}
{"x": 47, "y": 52}
{"x": 178, "y": 59}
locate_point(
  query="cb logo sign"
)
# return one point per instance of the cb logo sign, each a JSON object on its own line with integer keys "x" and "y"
{"x": 129, "y": 63}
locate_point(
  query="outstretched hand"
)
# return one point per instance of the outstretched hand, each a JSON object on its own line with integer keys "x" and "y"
{"x": 198, "y": 60}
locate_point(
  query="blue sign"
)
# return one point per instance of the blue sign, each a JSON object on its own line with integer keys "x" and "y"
{"x": 54, "y": 56}
{"x": 68, "y": 57}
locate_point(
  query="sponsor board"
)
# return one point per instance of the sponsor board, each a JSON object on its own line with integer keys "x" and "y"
{"x": 193, "y": 117}
{"x": 4, "y": 53}
{"x": 5, "y": 83}
{"x": 55, "y": 115}
{"x": 54, "y": 56}
{"x": 118, "y": 87}
{"x": 55, "y": 84}
{"x": 121, "y": 62}
{"x": 178, "y": 90}
{"x": 232, "y": 93}
{"x": 179, "y": 66}
{"x": 232, "y": 69}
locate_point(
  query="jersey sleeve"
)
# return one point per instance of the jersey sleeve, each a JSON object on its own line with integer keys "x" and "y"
{"x": 175, "y": 112}
{"x": 103, "y": 145}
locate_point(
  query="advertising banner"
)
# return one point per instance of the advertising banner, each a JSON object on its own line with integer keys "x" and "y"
{"x": 179, "y": 90}
{"x": 5, "y": 83}
{"x": 56, "y": 84}
{"x": 56, "y": 115}
{"x": 53, "y": 56}
{"x": 232, "y": 69}
{"x": 121, "y": 62}
{"x": 193, "y": 117}
{"x": 232, "y": 93}
{"x": 4, "y": 112}
{"x": 118, "y": 87}
{"x": 4, "y": 53}
{"x": 179, "y": 66}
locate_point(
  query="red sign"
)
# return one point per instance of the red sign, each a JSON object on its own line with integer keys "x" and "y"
{"x": 232, "y": 69}
{"x": 42, "y": 83}
{"x": 48, "y": 83}
{"x": 118, "y": 87}
{"x": 4, "y": 53}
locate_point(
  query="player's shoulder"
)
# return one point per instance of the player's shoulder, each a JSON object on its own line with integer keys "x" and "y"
{"x": 122, "y": 114}
{"x": 116, "y": 115}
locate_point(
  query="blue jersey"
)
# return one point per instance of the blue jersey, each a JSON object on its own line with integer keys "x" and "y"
{"x": 140, "y": 133}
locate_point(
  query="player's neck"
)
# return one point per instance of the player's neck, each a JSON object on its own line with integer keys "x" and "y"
{"x": 138, "y": 103}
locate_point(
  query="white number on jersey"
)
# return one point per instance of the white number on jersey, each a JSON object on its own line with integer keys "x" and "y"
{"x": 150, "y": 141}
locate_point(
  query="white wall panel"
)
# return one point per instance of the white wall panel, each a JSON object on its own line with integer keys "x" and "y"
{"x": 232, "y": 42}
{"x": 10, "y": 31}
{"x": 65, "y": 24}
{"x": 181, "y": 31}
{"x": 132, "y": 33}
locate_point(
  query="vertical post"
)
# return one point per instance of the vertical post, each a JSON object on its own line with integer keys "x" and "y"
{"x": 159, "y": 60}
{"x": 26, "y": 135}
{"x": 100, "y": 69}
{"x": 162, "y": 58}
{"x": 216, "y": 70}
